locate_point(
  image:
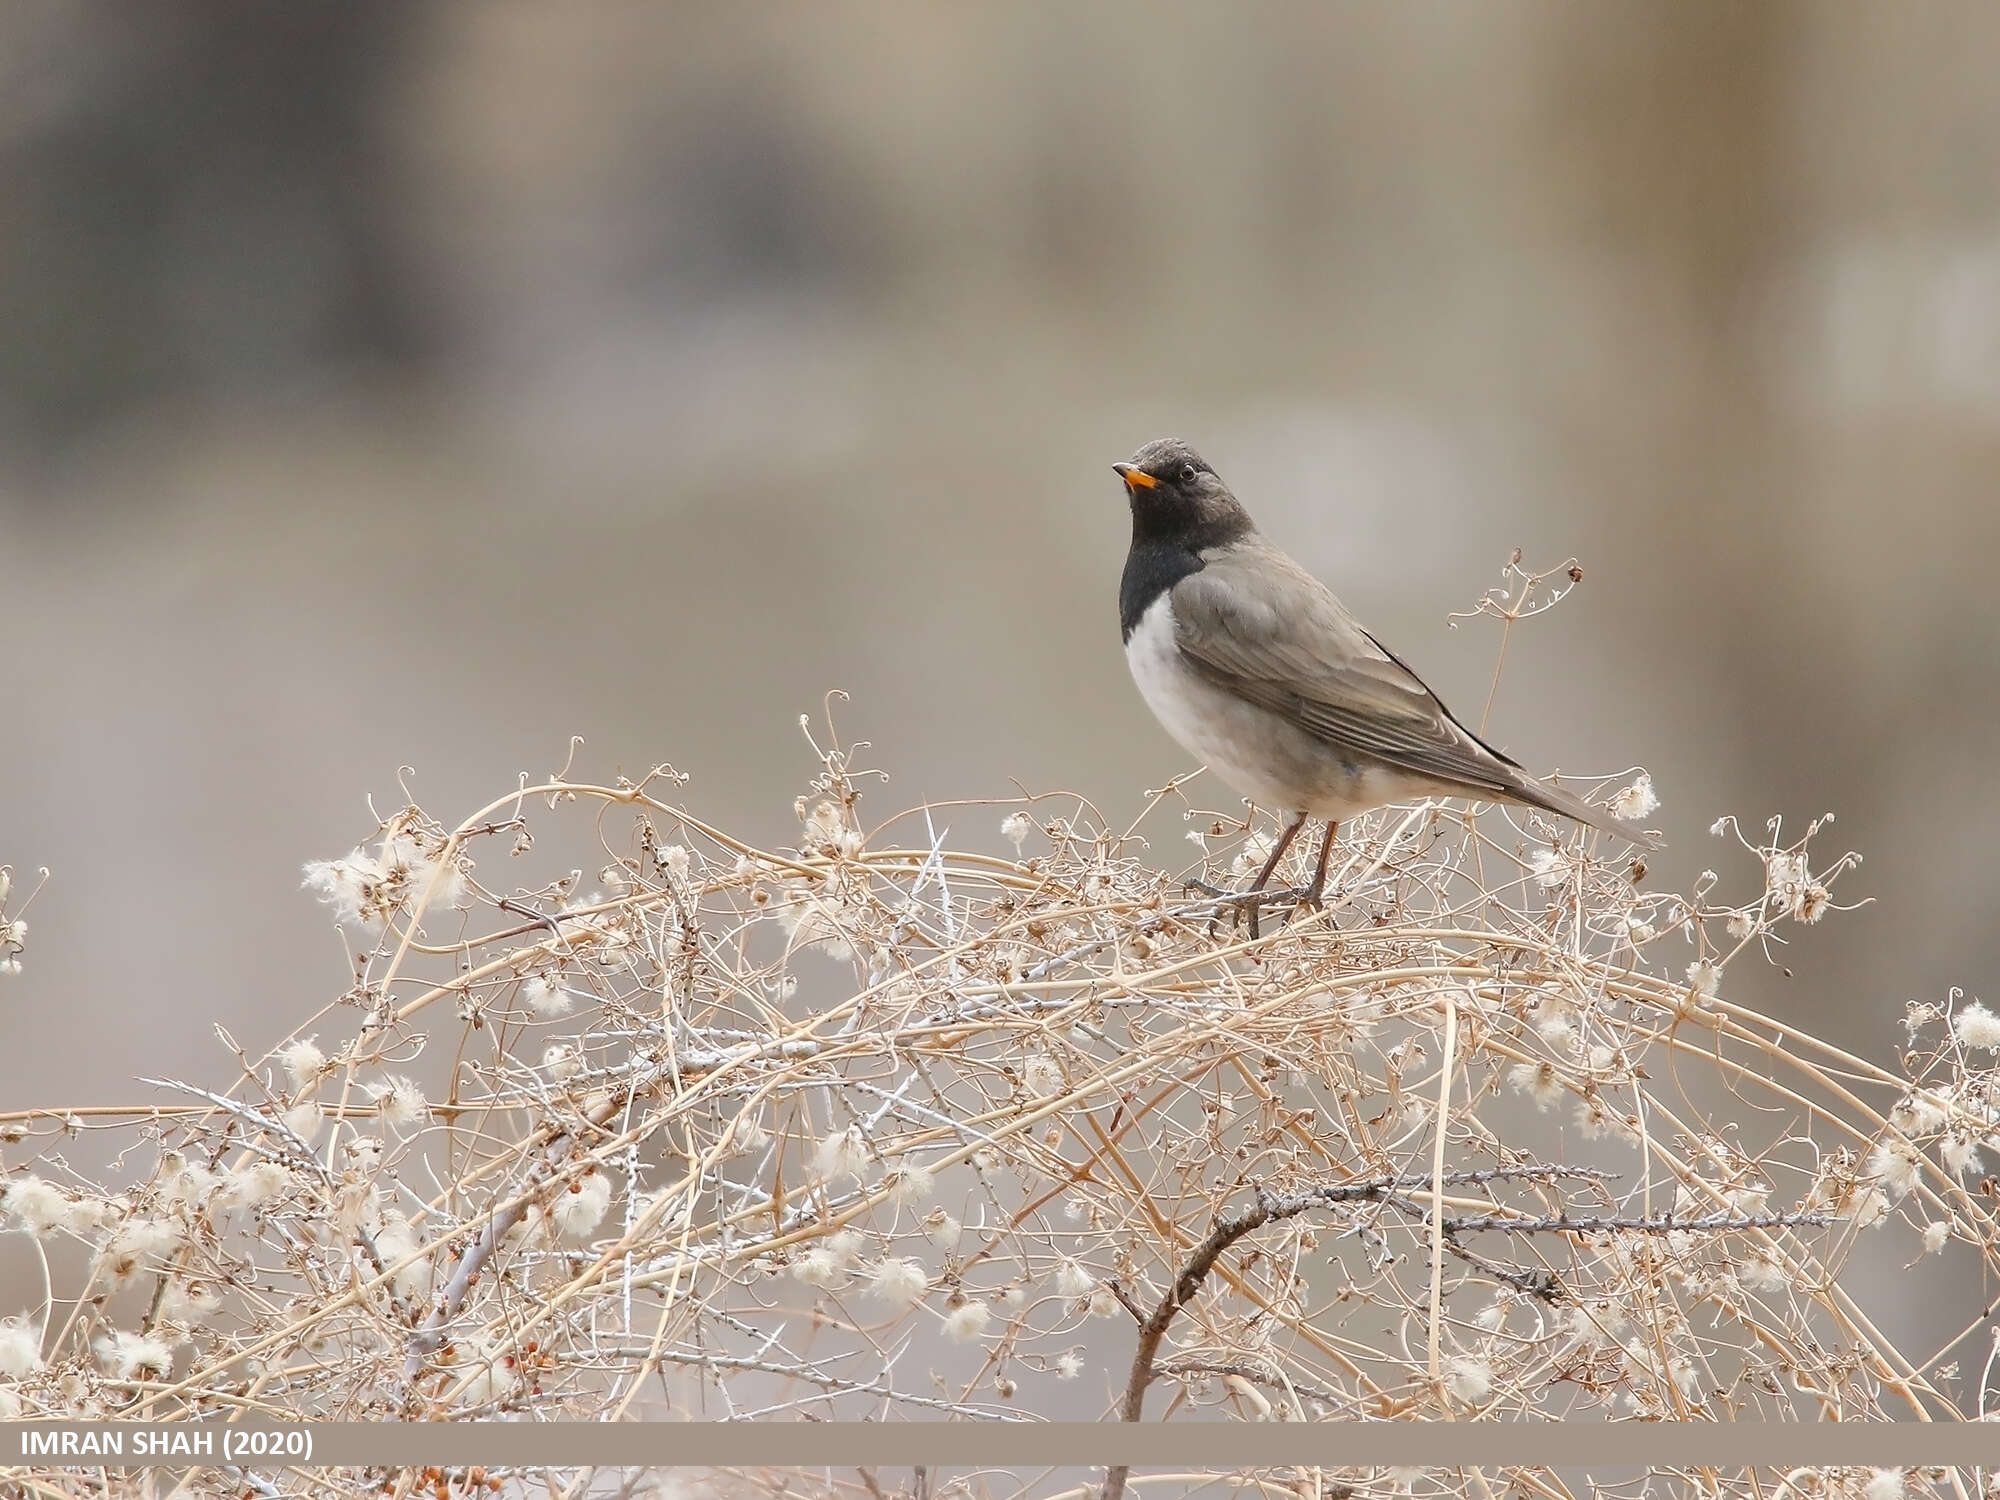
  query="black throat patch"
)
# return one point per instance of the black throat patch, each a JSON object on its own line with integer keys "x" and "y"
{"x": 1167, "y": 544}
{"x": 1151, "y": 568}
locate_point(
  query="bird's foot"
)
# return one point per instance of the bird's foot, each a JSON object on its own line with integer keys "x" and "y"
{"x": 1250, "y": 903}
{"x": 1245, "y": 899}
{"x": 1314, "y": 897}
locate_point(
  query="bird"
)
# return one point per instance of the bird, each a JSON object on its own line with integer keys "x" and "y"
{"x": 1252, "y": 665}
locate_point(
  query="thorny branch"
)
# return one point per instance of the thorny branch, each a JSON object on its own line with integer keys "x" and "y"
{"x": 881, "y": 1122}
{"x": 1270, "y": 1208}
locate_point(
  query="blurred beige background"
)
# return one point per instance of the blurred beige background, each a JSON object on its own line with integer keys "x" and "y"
{"x": 424, "y": 383}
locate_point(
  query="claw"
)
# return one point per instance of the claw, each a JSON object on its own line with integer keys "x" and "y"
{"x": 1251, "y": 902}
{"x": 1257, "y": 897}
{"x": 1215, "y": 891}
{"x": 1245, "y": 899}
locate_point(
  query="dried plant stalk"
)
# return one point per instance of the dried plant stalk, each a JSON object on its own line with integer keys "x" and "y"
{"x": 880, "y": 1126}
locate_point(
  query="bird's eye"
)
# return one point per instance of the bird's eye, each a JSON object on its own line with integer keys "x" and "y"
{"x": 1187, "y": 473}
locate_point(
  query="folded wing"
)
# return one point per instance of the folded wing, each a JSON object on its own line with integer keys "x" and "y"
{"x": 1256, "y": 623}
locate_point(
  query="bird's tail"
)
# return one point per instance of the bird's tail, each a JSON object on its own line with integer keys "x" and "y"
{"x": 1554, "y": 799}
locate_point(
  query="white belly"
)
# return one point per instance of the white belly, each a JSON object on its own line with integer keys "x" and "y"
{"x": 1266, "y": 758}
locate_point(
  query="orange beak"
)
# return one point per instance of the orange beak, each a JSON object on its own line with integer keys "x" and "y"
{"x": 1135, "y": 479}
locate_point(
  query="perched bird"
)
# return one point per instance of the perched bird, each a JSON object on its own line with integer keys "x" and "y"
{"x": 1252, "y": 665}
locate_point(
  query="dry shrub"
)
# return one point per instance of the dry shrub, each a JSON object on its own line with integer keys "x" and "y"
{"x": 878, "y": 1125}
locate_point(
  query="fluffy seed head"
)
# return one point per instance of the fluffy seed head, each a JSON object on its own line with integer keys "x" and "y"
{"x": 822, "y": 1266}
{"x": 186, "y": 1301}
{"x": 304, "y": 1120}
{"x": 351, "y": 887}
{"x": 842, "y": 1154}
{"x": 86, "y": 1216}
{"x": 136, "y": 1245}
{"x": 399, "y": 1101}
{"x": 910, "y": 1183}
{"x": 1959, "y": 1152}
{"x": 36, "y": 1205}
{"x": 942, "y": 1229}
{"x": 253, "y": 1184}
{"x": 132, "y": 1356}
{"x": 579, "y": 1207}
{"x": 1762, "y": 1271}
{"x": 899, "y": 1281}
{"x": 1895, "y": 1169}
{"x": 1469, "y": 1379}
{"x": 1538, "y": 1080}
{"x": 967, "y": 1322}
{"x": 187, "y": 1184}
{"x": 1250, "y": 858}
{"x": 1976, "y": 1026}
{"x": 545, "y": 997}
{"x": 302, "y": 1060}
{"x": 1043, "y": 1076}
{"x": 396, "y": 1241}
{"x": 20, "y": 1346}
{"x": 494, "y": 1374}
{"x": 1638, "y": 800}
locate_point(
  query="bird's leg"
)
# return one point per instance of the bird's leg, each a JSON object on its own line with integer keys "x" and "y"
{"x": 1317, "y": 889}
{"x": 1254, "y": 899}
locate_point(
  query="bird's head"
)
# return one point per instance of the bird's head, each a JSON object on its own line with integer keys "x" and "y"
{"x": 1176, "y": 496}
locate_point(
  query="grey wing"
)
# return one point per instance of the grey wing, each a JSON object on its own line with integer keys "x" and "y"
{"x": 1288, "y": 645}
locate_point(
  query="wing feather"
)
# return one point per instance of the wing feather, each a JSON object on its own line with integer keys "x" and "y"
{"x": 1256, "y": 623}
